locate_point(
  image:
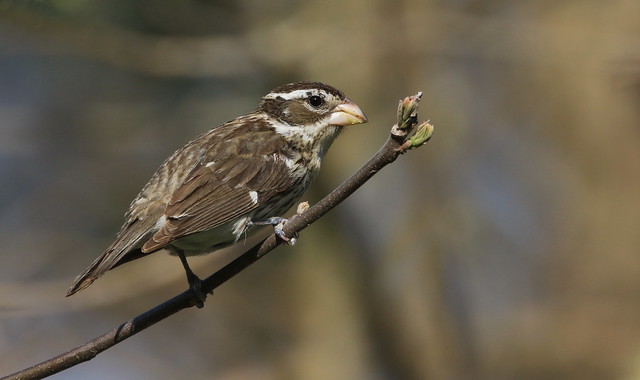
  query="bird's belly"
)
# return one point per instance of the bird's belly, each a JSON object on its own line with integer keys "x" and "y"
{"x": 208, "y": 241}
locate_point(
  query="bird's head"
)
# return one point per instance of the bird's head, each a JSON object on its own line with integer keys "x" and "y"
{"x": 311, "y": 104}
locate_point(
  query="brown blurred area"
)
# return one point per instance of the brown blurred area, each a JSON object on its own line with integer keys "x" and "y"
{"x": 506, "y": 248}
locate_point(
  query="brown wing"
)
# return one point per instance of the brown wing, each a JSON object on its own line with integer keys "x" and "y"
{"x": 217, "y": 192}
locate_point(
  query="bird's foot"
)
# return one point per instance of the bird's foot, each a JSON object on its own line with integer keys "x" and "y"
{"x": 278, "y": 223}
{"x": 277, "y": 229}
{"x": 195, "y": 284}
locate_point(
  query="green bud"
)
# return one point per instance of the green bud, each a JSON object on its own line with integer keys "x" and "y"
{"x": 422, "y": 135}
{"x": 407, "y": 115}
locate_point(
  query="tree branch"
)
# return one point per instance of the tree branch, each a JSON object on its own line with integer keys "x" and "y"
{"x": 405, "y": 135}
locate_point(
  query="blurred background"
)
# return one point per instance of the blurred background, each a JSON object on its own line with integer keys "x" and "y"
{"x": 506, "y": 248}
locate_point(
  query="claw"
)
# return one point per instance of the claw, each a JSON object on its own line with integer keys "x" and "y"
{"x": 277, "y": 229}
{"x": 201, "y": 297}
{"x": 277, "y": 223}
{"x": 195, "y": 284}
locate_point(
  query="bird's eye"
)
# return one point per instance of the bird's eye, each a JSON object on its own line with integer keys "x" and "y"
{"x": 315, "y": 101}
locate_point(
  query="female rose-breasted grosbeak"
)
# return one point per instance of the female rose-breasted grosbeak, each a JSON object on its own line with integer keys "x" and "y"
{"x": 240, "y": 174}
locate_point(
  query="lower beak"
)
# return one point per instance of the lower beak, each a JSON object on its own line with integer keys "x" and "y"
{"x": 347, "y": 113}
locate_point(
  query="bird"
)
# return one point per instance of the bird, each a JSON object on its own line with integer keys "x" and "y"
{"x": 231, "y": 180}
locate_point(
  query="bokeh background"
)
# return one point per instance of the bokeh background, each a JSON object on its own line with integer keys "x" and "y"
{"x": 506, "y": 248}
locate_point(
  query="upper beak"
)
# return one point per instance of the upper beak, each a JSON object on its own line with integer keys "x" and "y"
{"x": 347, "y": 113}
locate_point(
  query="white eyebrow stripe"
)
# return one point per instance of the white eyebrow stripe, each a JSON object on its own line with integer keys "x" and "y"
{"x": 297, "y": 94}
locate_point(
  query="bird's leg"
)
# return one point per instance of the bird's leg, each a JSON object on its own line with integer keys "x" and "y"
{"x": 194, "y": 281}
{"x": 278, "y": 223}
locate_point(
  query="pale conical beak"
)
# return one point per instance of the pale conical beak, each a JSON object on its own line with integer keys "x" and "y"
{"x": 347, "y": 113}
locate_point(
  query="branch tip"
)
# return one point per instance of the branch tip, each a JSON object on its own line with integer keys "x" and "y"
{"x": 407, "y": 111}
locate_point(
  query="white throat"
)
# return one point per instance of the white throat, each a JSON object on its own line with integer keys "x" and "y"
{"x": 314, "y": 139}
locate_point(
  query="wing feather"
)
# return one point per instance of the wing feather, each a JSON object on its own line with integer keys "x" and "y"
{"x": 218, "y": 193}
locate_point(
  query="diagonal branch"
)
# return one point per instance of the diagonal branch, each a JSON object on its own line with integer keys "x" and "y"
{"x": 405, "y": 135}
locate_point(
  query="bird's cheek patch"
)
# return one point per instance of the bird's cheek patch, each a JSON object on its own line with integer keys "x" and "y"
{"x": 303, "y": 114}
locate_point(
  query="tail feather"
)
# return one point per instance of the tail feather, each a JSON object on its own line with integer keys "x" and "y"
{"x": 107, "y": 261}
{"x": 95, "y": 270}
{"x": 123, "y": 250}
{"x": 100, "y": 266}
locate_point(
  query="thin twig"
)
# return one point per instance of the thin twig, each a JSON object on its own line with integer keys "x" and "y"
{"x": 404, "y": 136}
